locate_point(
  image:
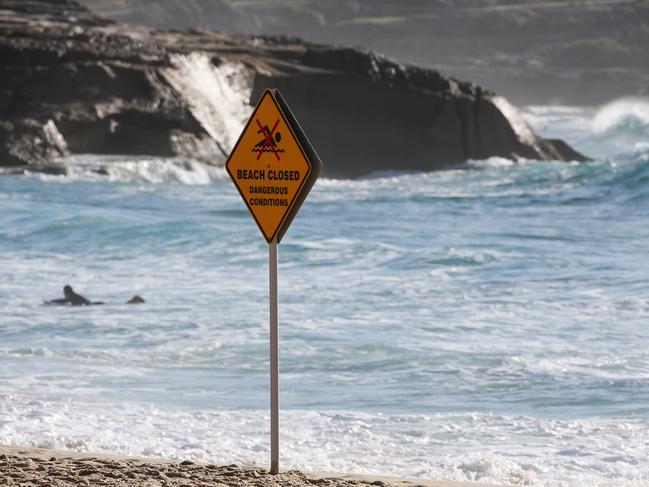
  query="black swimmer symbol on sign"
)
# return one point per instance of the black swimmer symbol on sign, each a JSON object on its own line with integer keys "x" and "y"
{"x": 268, "y": 143}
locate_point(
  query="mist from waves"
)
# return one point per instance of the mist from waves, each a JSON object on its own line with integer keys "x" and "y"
{"x": 618, "y": 130}
{"x": 485, "y": 323}
{"x": 217, "y": 95}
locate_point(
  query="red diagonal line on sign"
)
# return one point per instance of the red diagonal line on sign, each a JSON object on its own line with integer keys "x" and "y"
{"x": 269, "y": 138}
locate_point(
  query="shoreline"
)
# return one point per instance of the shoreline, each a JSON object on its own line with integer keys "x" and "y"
{"x": 26, "y": 466}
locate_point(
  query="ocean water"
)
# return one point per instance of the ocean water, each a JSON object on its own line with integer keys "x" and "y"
{"x": 487, "y": 323}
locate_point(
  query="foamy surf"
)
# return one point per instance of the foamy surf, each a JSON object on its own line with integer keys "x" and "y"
{"x": 483, "y": 323}
{"x": 623, "y": 113}
{"x": 143, "y": 169}
{"x": 486, "y": 448}
{"x": 604, "y": 133}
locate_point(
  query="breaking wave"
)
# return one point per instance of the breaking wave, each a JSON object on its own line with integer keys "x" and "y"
{"x": 90, "y": 167}
{"x": 346, "y": 441}
{"x": 617, "y": 132}
{"x": 623, "y": 114}
{"x": 218, "y": 95}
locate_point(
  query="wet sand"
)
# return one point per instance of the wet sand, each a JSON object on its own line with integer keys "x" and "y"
{"x": 54, "y": 468}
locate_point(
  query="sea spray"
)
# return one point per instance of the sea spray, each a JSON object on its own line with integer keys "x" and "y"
{"x": 623, "y": 113}
{"x": 218, "y": 95}
{"x": 142, "y": 169}
{"x": 617, "y": 131}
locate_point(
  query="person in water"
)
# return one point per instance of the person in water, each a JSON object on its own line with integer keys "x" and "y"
{"x": 136, "y": 300}
{"x": 72, "y": 298}
{"x": 75, "y": 299}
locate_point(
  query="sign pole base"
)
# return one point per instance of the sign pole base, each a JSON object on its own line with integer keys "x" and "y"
{"x": 274, "y": 360}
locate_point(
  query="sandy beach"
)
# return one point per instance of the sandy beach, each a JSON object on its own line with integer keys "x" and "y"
{"x": 56, "y": 468}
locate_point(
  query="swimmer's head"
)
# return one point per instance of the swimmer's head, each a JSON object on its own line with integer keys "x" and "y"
{"x": 67, "y": 291}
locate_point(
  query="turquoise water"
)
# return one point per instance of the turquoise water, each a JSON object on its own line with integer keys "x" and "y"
{"x": 487, "y": 323}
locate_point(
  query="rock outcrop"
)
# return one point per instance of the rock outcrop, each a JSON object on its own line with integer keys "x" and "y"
{"x": 72, "y": 82}
{"x": 571, "y": 52}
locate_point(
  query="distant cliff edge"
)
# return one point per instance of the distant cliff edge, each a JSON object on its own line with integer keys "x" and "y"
{"x": 72, "y": 82}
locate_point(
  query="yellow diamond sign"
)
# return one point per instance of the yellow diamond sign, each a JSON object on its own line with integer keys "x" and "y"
{"x": 273, "y": 165}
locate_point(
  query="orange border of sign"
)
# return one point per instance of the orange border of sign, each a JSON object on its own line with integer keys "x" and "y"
{"x": 289, "y": 209}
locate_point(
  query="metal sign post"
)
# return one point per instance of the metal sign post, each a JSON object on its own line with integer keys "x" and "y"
{"x": 274, "y": 167}
{"x": 274, "y": 360}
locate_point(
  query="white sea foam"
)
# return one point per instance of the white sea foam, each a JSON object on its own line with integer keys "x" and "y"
{"x": 569, "y": 367}
{"x": 163, "y": 170}
{"x": 218, "y": 96}
{"x": 514, "y": 450}
{"x": 516, "y": 120}
{"x": 602, "y": 133}
{"x": 558, "y": 120}
{"x": 407, "y": 301}
{"x": 630, "y": 110}
{"x": 89, "y": 167}
{"x": 493, "y": 162}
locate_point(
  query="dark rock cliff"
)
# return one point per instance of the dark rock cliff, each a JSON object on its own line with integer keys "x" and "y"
{"x": 572, "y": 52}
{"x": 72, "y": 82}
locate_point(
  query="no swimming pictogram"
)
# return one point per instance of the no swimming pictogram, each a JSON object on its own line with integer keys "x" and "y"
{"x": 269, "y": 142}
{"x": 273, "y": 187}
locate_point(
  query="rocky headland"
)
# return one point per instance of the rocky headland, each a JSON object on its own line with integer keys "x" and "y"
{"x": 72, "y": 82}
{"x": 569, "y": 52}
